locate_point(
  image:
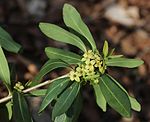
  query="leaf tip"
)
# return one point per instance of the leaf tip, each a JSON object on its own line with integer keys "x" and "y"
{"x": 41, "y": 24}
{"x": 141, "y": 62}
{"x": 66, "y": 6}
{"x": 40, "y": 110}
{"x": 104, "y": 109}
{"x": 139, "y": 108}
{"x": 46, "y": 49}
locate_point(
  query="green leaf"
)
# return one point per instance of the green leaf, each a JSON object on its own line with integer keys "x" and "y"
{"x": 9, "y": 108}
{"x": 7, "y": 42}
{"x": 54, "y": 89}
{"x": 5, "y": 112}
{"x": 67, "y": 56}
{"x": 134, "y": 103}
{"x": 31, "y": 83}
{"x": 39, "y": 92}
{"x": 59, "y": 34}
{"x": 48, "y": 67}
{"x": 4, "y": 69}
{"x": 115, "y": 56}
{"x": 111, "y": 52}
{"x": 100, "y": 99}
{"x": 124, "y": 62}
{"x": 73, "y": 20}
{"x": 20, "y": 108}
{"x": 65, "y": 100}
{"x": 62, "y": 118}
{"x": 105, "y": 49}
{"x": 115, "y": 96}
{"x": 75, "y": 109}
{"x": 73, "y": 112}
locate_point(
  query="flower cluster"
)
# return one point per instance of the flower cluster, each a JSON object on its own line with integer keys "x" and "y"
{"x": 18, "y": 86}
{"x": 90, "y": 68}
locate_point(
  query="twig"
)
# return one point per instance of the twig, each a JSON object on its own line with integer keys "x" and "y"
{"x": 5, "y": 99}
{"x": 32, "y": 88}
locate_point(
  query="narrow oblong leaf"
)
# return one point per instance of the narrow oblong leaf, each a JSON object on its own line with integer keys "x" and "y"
{"x": 65, "y": 100}
{"x": 53, "y": 90}
{"x": 134, "y": 103}
{"x": 62, "y": 118}
{"x": 5, "y": 112}
{"x": 124, "y": 62}
{"x": 73, "y": 20}
{"x": 100, "y": 99}
{"x": 48, "y": 67}
{"x": 59, "y": 34}
{"x": 67, "y": 56}
{"x": 115, "y": 56}
{"x": 7, "y": 42}
{"x": 115, "y": 96}
{"x": 4, "y": 69}
{"x": 39, "y": 92}
{"x": 9, "y": 108}
{"x": 75, "y": 109}
{"x": 73, "y": 112}
{"x": 111, "y": 52}
{"x": 105, "y": 49}
{"x": 20, "y": 108}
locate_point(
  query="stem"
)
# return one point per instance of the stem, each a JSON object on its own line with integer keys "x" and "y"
{"x": 32, "y": 88}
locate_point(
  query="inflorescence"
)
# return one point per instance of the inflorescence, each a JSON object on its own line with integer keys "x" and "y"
{"x": 91, "y": 67}
{"x": 18, "y": 86}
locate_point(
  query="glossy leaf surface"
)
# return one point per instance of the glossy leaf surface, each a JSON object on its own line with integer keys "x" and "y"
{"x": 134, "y": 103}
{"x": 65, "y": 100}
{"x": 4, "y": 69}
{"x": 7, "y": 42}
{"x": 115, "y": 96}
{"x": 59, "y": 34}
{"x": 67, "y": 56}
{"x": 48, "y": 67}
{"x": 124, "y": 62}
{"x": 73, "y": 20}
{"x": 100, "y": 99}
{"x": 53, "y": 90}
{"x": 20, "y": 108}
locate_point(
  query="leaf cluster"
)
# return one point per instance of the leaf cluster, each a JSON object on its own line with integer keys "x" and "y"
{"x": 107, "y": 89}
{"x": 65, "y": 94}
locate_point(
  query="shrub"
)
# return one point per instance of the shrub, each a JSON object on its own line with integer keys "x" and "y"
{"x": 89, "y": 67}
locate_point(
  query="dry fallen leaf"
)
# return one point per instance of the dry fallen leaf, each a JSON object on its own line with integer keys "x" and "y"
{"x": 124, "y": 16}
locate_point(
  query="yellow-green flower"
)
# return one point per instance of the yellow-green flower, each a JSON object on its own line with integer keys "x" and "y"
{"x": 98, "y": 63}
{"x": 96, "y": 81}
{"x": 97, "y": 57}
{"x": 74, "y": 76}
{"x": 86, "y": 70}
{"x": 90, "y": 72}
{"x": 90, "y": 65}
{"x": 80, "y": 71}
{"x": 102, "y": 69}
{"x": 88, "y": 55}
{"x": 18, "y": 86}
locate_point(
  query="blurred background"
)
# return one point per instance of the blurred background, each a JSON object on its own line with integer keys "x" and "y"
{"x": 124, "y": 23}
